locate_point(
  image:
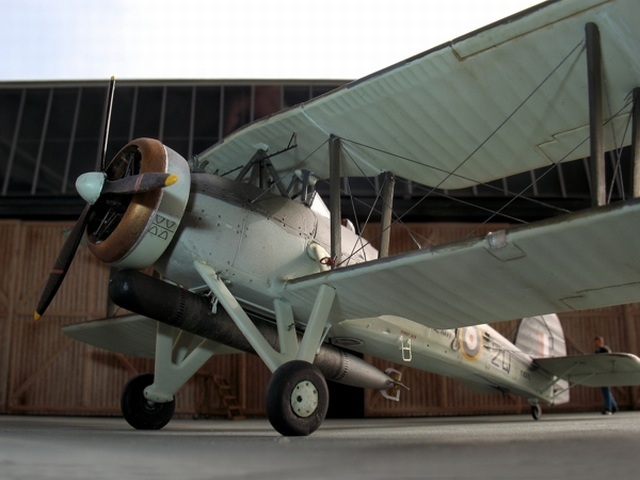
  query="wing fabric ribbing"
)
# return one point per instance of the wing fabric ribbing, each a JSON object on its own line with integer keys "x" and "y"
{"x": 575, "y": 262}
{"x": 506, "y": 99}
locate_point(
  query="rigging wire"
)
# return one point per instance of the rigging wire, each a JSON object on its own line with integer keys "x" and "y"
{"x": 454, "y": 173}
{"x": 617, "y": 169}
{"x": 436, "y": 190}
{"x": 292, "y": 171}
{"x": 549, "y": 170}
{"x": 515, "y": 196}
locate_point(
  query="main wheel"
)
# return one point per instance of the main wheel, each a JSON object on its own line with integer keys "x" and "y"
{"x": 297, "y": 398}
{"x": 536, "y": 411}
{"x": 139, "y": 412}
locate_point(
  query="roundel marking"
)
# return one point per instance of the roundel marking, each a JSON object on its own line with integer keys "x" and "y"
{"x": 471, "y": 342}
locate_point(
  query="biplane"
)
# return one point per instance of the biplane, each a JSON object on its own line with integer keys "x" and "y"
{"x": 248, "y": 258}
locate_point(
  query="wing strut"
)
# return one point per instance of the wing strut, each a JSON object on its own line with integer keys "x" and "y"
{"x": 314, "y": 334}
{"x": 263, "y": 349}
{"x": 635, "y": 143}
{"x": 387, "y": 212}
{"x": 594, "y": 72}
{"x": 335, "y": 155}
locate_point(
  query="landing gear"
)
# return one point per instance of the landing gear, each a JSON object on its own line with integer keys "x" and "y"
{"x": 139, "y": 412}
{"x": 297, "y": 395}
{"x": 536, "y": 411}
{"x": 297, "y": 398}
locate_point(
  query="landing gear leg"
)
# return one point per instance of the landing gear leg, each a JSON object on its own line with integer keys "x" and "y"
{"x": 297, "y": 398}
{"x": 297, "y": 395}
{"x": 148, "y": 401}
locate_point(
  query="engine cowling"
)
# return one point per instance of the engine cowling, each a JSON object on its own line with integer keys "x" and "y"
{"x": 134, "y": 231}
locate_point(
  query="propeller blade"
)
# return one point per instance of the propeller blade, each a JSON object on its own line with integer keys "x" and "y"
{"x": 62, "y": 263}
{"x": 65, "y": 257}
{"x": 107, "y": 123}
{"x": 143, "y": 182}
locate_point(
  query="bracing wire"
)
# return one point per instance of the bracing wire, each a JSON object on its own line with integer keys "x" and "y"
{"x": 435, "y": 190}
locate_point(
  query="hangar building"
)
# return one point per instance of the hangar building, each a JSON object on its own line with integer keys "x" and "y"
{"x": 52, "y": 132}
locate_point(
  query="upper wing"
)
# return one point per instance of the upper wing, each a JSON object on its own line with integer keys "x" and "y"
{"x": 579, "y": 261}
{"x": 598, "y": 370}
{"x": 506, "y": 99}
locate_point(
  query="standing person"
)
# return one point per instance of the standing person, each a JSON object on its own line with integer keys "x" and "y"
{"x": 610, "y": 405}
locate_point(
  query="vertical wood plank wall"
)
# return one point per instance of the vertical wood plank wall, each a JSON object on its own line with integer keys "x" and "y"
{"x": 42, "y": 371}
{"x": 9, "y": 242}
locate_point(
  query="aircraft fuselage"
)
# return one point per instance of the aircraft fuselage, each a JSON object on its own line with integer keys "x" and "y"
{"x": 254, "y": 239}
{"x": 478, "y": 356}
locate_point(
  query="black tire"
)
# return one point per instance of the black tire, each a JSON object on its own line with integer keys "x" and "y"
{"x": 297, "y": 399}
{"x": 138, "y": 411}
{"x": 536, "y": 412}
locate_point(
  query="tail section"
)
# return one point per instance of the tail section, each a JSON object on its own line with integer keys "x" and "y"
{"x": 542, "y": 337}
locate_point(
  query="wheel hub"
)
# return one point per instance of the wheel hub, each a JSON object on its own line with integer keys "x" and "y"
{"x": 304, "y": 399}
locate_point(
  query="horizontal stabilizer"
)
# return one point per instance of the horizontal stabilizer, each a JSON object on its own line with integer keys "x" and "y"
{"x": 597, "y": 370}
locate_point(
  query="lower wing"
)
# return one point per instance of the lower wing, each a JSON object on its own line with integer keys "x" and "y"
{"x": 130, "y": 334}
{"x": 133, "y": 335}
{"x": 575, "y": 262}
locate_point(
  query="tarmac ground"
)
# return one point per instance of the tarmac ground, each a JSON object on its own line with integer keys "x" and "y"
{"x": 562, "y": 446}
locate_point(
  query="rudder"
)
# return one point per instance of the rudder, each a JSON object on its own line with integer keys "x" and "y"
{"x": 542, "y": 336}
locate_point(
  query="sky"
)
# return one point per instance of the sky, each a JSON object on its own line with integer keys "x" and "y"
{"x": 228, "y": 39}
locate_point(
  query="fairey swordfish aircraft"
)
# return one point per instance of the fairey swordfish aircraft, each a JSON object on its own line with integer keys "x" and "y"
{"x": 247, "y": 257}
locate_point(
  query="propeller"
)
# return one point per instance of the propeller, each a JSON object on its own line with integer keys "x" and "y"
{"x": 93, "y": 187}
{"x": 62, "y": 263}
